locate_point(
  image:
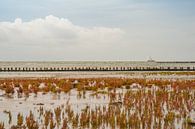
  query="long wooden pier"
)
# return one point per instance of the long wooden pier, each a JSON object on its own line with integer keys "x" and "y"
{"x": 64, "y": 69}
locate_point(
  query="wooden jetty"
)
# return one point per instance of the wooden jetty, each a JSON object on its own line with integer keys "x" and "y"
{"x": 64, "y": 69}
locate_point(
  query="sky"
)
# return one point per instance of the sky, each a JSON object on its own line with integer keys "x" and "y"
{"x": 63, "y": 30}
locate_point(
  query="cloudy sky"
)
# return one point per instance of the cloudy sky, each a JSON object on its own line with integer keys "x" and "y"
{"x": 97, "y": 30}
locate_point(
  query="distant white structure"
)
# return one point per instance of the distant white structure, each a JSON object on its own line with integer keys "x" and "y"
{"x": 150, "y": 60}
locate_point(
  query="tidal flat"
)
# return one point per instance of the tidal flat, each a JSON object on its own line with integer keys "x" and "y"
{"x": 98, "y": 102}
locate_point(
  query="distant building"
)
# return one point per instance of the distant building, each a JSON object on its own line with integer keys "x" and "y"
{"x": 150, "y": 60}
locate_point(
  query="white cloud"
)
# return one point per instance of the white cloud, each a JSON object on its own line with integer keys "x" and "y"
{"x": 55, "y": 31}
{"x": 53, "y": 38}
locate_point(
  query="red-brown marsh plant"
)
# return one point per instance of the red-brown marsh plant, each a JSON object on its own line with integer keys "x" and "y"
{"x": 52, "y": 124}
{"x": 47, "y": 117}
{"x": 31, "y": 123}
{"x": 57, "y": 112}
{"x": 65, "y": 124}
{"x": 20, "y": 119}
{"x": 2, "y": 125}
{"x": 9, "y": 89}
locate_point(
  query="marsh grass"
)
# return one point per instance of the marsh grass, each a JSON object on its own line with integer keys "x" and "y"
{"x": 133, "y": 103}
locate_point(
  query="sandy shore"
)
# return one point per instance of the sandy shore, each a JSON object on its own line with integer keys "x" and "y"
{"x": 94, "y": 75}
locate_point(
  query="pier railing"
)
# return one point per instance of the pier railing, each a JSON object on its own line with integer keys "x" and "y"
{"x": 61, "y": 69}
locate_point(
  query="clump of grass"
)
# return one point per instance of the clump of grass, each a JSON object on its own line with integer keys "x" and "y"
{"x": 169, "y": 118}
{"x": 9, "y": 90}
{"x": 52, "y": 124}
{"x": 57, "y": 112}
{"x": 20, "y": 119}
{"x": 47, "y": 117}
{"x": 65, "y": 124}
{"x": 2, "y": 126}
{"x": 31, "y": 123}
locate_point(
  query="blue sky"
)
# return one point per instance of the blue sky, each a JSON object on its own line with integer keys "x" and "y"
{"x": 90, "y": 9}
{"x": 163, "y": 29}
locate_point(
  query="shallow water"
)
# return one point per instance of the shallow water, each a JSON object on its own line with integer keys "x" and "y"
{"x": 92, "y": 64}
{"x": 92, "y": 75}
{"x": 49, "y": 101}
